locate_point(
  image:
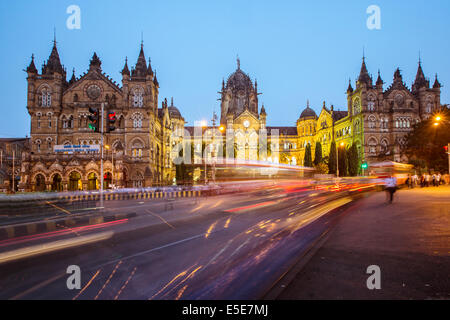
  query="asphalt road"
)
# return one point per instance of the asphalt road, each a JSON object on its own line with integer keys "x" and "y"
{"x": 408, "y": 240}
{"x": 223, "y": 247}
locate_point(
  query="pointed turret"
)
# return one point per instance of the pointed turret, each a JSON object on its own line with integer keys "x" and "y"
{"x": 155, "y": 81}
{"x": 140, "y": 70}
{"x": 73, "y": 79}
{"x": 398, "y": 76}
{"x": 364, "y": 77}
{"x": 53, "y": 63}
{"x": 420, "y": 81}
{"x": 95, "y": 63}
{"x": 149, "y": 69}
{"x": 32, "y": 68}
{"x": 379, "y": 80}
{"x": 436, "y": 84}
{"x": 125, "y": 71}
{"x": 263, "y": 110}
{"x": 350, "y": 88}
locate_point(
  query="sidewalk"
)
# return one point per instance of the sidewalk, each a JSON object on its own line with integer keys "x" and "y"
{"x": 409, "y": 240}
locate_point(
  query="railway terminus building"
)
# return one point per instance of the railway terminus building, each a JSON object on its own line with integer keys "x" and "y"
{"x": 376, "y": 120}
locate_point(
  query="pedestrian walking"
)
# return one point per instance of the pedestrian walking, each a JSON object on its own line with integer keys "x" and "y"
{"x": 390, "y": 187}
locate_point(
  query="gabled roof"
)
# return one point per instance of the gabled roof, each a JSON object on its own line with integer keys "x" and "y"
{"x": 289, "y": 131}
{"x": 338, "y": 115}
{"x": 95, "y": 73}
{"x": 398, "y": 84}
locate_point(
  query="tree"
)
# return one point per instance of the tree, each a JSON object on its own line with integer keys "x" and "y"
{"x": 353, "y": 161}
{"x": 321, "y": 168}
{"x": 318, "y": 154}
{"x": 343, "y": 162}
{"x": 425, "y": 143}
{"x": 332, "y": 159}
{"x": 308, "y": 158}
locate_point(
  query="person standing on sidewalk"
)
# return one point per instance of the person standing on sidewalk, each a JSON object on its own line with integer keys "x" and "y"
{"x": 391, "y": 187}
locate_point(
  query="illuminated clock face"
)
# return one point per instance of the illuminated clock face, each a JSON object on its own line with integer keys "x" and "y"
{"x": 246, "y": 123}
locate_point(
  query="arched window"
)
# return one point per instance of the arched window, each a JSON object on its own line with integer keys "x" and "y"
{"x": 136, "y": 149}
{"x": 38, "y": 145}
{"x": 372, "y": 122}
{"x": 38, "y": 120}
{"x": 372, "y": 145}
{"x": 138, "y": 97}
{"x": 46, "y": 97}
{"x": 137, "y": 120}
{"x": 356, "y": 106}
{"x": 371, "y": 103}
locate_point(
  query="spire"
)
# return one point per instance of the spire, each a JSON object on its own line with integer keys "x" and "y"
{"x": 95, "y": 63}
{"x": 363, "y": 74}
{"x": 263, "y": 110}
{"x": 155, "y": 80}
{"x": 32, "y": 68}
{"x": 149, "y": 70}
{"x": 140, "y": 70}
{"x": 73, "y": 79}
{"x": 436, "y": 84}
{"x": 125, "y": 70}
{"x": 420, "y": 81}
{"x": 379, "y": 80}
{"x": 350, "y": 88}
{"x": 53, "y": 63}
{"x": 398, "y": 75}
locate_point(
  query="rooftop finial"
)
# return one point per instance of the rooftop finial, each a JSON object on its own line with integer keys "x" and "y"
{"x": 142, "y": 39}
{"x": 307, "y": 103}
{"x": 420, "y": 59}
{"x": 238, "y": 63}
{"x": 364, "y": 54}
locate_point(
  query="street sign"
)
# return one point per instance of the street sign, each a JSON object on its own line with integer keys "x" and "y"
{"x": 76, "y": 148}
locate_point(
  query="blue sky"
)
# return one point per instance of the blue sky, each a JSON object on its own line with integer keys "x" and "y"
{"x": 297, "y": 50}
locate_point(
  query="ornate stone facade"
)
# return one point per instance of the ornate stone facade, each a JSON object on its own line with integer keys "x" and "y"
{"x": 139, "y": 147}
{"x": 142, "y": 146}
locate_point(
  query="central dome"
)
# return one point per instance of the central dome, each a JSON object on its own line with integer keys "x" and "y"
{"x": 308, "y": 112}
{"x": 239, "y": 80}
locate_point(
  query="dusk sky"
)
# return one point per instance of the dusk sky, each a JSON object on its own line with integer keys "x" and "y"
{"x": 297, "y": 50}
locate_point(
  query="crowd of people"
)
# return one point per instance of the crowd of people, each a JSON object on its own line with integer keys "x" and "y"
{"x": 426, "y": 180}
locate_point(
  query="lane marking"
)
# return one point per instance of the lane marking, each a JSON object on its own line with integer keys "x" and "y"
{"x": 38, "y": 286}
{"x": 87, "y": 285}
{"x": 108, "y": 280}
{"x": 125, "y": 284}
{"x": 55, "y": 206}
{"x": 161, "y": 218}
